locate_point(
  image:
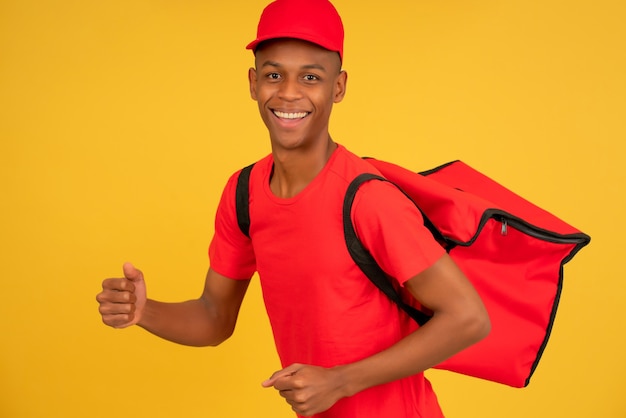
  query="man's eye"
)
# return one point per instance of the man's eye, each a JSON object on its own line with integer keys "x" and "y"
{"x": 273, "y": 76}
{"x": 311, "y": 77}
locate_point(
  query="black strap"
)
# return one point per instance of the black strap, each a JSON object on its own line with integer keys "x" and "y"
{"x": 359, "y": 254}
{"x": 364, "y": 259}
{"x": 242, "y": 200}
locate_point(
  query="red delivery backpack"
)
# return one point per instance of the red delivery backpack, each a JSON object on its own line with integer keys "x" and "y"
{"x": 512, "y": 251}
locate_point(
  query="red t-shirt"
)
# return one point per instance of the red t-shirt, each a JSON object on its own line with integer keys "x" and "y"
{"x": 323, "y": 310}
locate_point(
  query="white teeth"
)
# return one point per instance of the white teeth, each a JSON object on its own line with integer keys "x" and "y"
{"x": 284, "y": 115}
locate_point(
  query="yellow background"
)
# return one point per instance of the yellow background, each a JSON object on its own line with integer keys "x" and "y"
{"x": 120, "y": 121}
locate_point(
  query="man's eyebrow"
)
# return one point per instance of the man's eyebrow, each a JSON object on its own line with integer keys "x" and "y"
{"x": 269, "y": 63}
{"x": 314, "y": 67}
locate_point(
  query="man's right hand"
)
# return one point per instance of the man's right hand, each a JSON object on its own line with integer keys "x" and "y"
{"x": 122, "y": 300}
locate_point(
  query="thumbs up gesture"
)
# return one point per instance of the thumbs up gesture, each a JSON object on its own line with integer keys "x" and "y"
{"x": 122, "y": 300}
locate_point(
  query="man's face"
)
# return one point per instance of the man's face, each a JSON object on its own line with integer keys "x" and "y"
{"x": 295, "y": 84}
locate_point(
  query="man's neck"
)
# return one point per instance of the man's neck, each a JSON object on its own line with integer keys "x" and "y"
{"x": 295, "y": 169}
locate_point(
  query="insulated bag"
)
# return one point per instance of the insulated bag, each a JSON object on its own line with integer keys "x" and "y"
{"x": 512, "y": 251}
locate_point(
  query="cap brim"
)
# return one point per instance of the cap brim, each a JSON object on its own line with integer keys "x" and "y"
{"x": 290, "y": 35}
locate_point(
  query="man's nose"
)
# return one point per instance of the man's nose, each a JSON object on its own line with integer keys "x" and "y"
{"x": 290, "y": 89}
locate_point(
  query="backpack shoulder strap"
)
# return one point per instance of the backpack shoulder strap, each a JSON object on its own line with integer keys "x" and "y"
{"x": 359, "y": 254}
{"x": 364, "y": 259}
{"x": 242, "y": 200}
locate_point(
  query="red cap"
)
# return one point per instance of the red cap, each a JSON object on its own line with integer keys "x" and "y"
{"x": 315, "y": 21}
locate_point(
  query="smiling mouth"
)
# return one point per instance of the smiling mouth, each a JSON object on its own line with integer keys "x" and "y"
{"x": 286, "y": 115}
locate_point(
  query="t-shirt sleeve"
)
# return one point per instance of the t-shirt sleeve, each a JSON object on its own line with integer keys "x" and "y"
{"x": 231, "y": 253}
{"x": 392, "y": 229}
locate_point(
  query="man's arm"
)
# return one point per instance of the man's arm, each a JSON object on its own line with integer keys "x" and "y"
{"x": 208, "y": 320}
{"x": 459, "y": 320}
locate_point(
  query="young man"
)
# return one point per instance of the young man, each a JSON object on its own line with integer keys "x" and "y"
{"x": 347, "y": 351}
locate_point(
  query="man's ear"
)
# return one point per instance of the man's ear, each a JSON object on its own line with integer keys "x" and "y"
{"x": 340, "y": 86}
{"x": 252, "y": 81}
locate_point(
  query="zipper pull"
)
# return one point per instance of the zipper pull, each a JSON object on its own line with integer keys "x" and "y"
{"x": 504, "y": 228}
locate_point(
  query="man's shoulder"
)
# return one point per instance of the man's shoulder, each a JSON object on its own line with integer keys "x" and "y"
{"x": 375, "y": 194}
{"x": 348, "y": 165}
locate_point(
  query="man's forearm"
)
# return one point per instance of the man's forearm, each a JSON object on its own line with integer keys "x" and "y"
{"x": 192, "y": 323}
{"x": 433, "y": 343}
